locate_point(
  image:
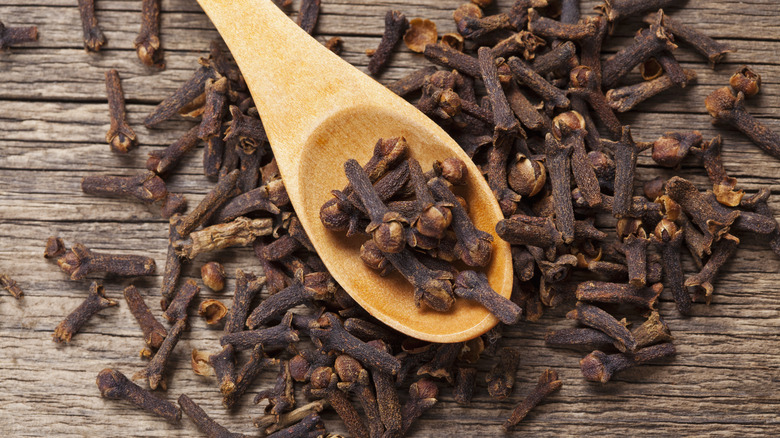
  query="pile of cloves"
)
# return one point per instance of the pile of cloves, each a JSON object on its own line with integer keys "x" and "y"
{"x": 555, "y": 155}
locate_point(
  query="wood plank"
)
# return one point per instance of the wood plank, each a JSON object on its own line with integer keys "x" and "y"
{"x": 53, "y": 119}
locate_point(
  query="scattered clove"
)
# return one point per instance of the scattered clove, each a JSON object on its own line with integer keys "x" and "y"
{"x": 113, "y": 384}
{"x": 147, "y": 43}
{"x": 548, "y": 383}
{"x": 120, "y": 135}
{"x": 94, "y": 303}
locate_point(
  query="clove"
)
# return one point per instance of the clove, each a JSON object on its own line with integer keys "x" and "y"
{"x": 120, "y": 135}
{"x": 94, "y": 303}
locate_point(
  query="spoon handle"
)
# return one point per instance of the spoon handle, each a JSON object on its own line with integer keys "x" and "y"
{"x": 295, "y": 81}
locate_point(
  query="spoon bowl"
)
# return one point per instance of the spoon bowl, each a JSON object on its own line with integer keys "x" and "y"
{"x": 319, "y": 111}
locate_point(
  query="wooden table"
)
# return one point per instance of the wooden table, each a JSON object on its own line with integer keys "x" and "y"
{"x": 724, "y": 381}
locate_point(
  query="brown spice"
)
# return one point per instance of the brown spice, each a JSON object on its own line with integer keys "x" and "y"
{"x": 120, "y": 135}
{"x": 113, "y": 384}
{"x": 548, "y": 383}
{"x": 94, "y": 303}
{"x": 154, "y": 331}
{"x": 147, "y": 43}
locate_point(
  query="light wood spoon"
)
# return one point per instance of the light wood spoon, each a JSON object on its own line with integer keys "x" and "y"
{"x": 319, "y": 111}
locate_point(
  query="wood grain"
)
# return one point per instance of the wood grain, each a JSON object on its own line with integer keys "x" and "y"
{"x": 53, "y": 118}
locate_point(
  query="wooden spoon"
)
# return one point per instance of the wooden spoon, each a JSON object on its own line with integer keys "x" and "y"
{"x": 319, "y": 111}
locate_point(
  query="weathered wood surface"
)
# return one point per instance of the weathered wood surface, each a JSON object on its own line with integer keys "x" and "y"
{"x": 724, "y": 381}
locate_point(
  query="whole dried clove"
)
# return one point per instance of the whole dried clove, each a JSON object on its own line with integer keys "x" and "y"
{"x": 432, "y": 287}
{"x": 569, "y": 127}
{"x": 594, "y": 317}
{"x": 422, "y": 396}
{"x": 268, "y": 197}
{"x": 145, "y": 187}
{"x": 474, "y": 286}
{"x": 205, "y": 424}
{"x": 147, "y": 43}
{"x": 225, "y": 369}
{"x": 452, "y": 59}
{"x": 177, "y": 309}
{"x": 213, "y": 200}
{"x": 624, "y": 99}
{"x": 412, "y": 82}
{"x": 474, "y": 246}
{"x": 647, "y": 43}
{"x": 503, "y": 118}
{"x": 549, "y": 28}
{"x": 214, "y": 108}
{"x": 443, "y": 362}
{"x": 526, "y": 75}
{"x": 713, "y": 222}
{"x": 669, "y": 238}
{"x": 276, "y": 337}
{"x": 93, "y": 36}
{"x": 722, "y": 185}
{"x": 548, "y": 383}
{"x": 247, "y": 375}
{"x": 303, "y": 289}
{"x": 465, "y": 383}
{"x": 311, "y": 426}
{"x": 388, "y": 404}
{"x": 156, "y": 367}
{"x": 561, "y": 57}
{"x": 11, "y": 286}
{"x": 670, "y": 149}
{"x": 600, "y": 367}
{"x": 614, "y": 293}
{"x": 332, "y": 337}
{"x": 12, "y": 36}
{"x": 583, "y": 83}
{"x": 579, "y": 338}
{"x": 324, "y": 384}
{"x": 94, "y": 303}
{"x": 115, "y": 385}
{"x": 522, "y": 43}
{"x": 190, "y": 90}
{"x": 281, "y": 398}
{"x": 275, "y": 423}
{"x": 395, "y": 26}
{"x": 163, "y": 161}
{"x": 434, "y": 218}
{"x": 240, "y": 232}
{"x": 498, "y": 156}
{"x": 501, "y": 378}
{"x": 626, "y": 154}
{"x": 386, "y": 227}
{"x": 355, "y": 379}
{"x": 726, "y": 108}
{"x": 559, "y": 169}
{"x": 275, "y": 277}
{"x": 80, "y": 261}
{"x": 617, "y": 9}
{"x": 653, "y": 331}
{"x": 713, "y": 50}
{"x": 154, "y": 331}
{"x": 120, "y": 135}
{"x": 247, "y": 287}
{"x": 173, "y": 264}
{"x": 702, "y": 281}
{"x": 308, "y": 15}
